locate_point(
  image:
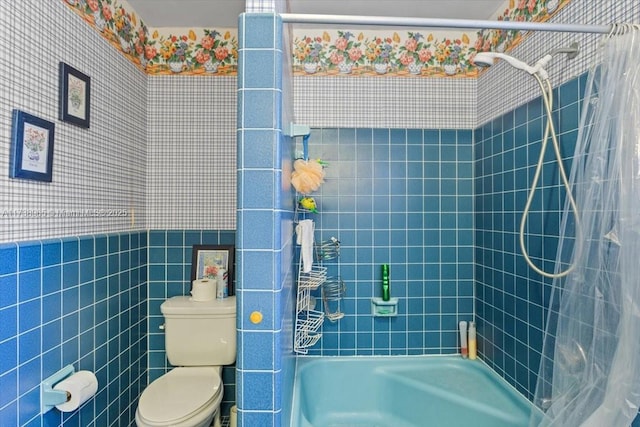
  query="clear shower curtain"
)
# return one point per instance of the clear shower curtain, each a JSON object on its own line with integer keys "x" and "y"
{"x": 590, "y": 367}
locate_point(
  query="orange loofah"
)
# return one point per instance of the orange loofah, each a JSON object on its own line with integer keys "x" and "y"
{"x": 307, "y": 176}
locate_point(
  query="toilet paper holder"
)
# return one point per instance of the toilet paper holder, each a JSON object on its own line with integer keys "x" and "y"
{"x": 49, "y": 397}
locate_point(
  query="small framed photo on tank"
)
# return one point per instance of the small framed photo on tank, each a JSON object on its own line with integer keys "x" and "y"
{"x": 207, "y": 260}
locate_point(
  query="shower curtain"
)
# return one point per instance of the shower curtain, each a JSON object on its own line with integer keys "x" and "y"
{"x": 590, "y": 367}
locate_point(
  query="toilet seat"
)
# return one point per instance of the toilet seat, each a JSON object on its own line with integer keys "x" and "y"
{"x": 180, "y": 395}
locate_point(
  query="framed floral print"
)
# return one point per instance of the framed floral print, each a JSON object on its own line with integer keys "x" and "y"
{"x": 31, "y": 152}
{"x": 75, "y": 96}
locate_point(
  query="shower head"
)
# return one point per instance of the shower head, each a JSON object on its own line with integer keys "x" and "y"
{"x": 485, "y": 59}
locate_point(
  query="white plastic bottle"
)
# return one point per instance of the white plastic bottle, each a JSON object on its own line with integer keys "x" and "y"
{"x": 463, "y": 339}
{"x": 222, "y": 288}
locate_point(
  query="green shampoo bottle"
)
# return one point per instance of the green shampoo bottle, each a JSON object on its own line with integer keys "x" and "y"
{"x": 386, "y": 291}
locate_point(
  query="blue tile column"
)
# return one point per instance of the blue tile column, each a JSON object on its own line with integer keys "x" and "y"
{"x": 264, "y": 225}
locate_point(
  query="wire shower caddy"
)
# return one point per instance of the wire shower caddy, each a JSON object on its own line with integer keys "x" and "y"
{"x": 309, "y": 317}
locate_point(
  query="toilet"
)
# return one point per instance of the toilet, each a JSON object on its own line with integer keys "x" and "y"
{"x": 200, "y": 337}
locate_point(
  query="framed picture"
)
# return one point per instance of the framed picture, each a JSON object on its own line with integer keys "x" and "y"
{"x": 207, "y": 259}
{"x": 31, "y": 153}
{"x": 75, "y": 96}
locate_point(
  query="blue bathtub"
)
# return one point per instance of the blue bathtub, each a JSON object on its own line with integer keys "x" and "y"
{"x": 411, "y": 391}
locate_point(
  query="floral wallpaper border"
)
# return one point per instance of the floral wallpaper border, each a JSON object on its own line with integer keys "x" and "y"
{"x": 416, "y": 53}
{"x": 332, "y": 52}
{"x": 161, "y": 50}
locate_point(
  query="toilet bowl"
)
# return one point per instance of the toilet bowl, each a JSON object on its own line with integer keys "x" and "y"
{"x": 183, "y": 397}
{"x": 200, "y": 338}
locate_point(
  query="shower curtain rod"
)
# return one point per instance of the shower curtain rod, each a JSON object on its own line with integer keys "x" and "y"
{"x": 299, "y": 18}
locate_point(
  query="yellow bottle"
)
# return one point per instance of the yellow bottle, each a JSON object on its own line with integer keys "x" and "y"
{"x": 473, "y": 343}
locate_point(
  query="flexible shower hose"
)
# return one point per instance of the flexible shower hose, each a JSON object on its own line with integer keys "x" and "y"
{"x": 547, "y": 97}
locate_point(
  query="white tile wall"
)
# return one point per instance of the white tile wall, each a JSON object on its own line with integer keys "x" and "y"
{"x": 503, "y": 88}
{"x": 346, "y": 101}
{"x": 101, "y": 168}
{"x": 385, "y": 102}
{"x": 161, "y": 148}
{"x": 192, "y": 153}
{"x": 150, "y": 149}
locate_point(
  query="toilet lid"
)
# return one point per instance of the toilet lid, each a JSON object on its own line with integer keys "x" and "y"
{"x": 179, "y": 393}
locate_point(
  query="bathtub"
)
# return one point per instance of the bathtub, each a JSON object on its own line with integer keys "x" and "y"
{"x": 404, "y": 391}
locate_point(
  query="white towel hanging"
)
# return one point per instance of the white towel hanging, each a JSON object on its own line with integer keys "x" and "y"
{"x": 304, "y": 232}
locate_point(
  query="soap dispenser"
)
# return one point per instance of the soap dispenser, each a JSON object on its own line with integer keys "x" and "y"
{"x": 386, "y": 291}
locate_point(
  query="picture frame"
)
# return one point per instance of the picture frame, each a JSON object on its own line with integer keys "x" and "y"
{"x": 31, "y": 152}
{"x": 74, "y": 96}
{"x": 206, "y": 257}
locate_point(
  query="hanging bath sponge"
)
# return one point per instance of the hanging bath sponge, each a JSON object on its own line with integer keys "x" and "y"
{"x": 307, "y": 176}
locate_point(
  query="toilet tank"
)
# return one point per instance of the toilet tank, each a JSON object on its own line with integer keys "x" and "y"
{"x": 200, "y": 333}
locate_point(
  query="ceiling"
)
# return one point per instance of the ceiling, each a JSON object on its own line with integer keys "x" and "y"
{"x": 224, "y": 13}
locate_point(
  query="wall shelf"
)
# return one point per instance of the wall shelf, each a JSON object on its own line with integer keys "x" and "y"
{"x": 381, "y": 308}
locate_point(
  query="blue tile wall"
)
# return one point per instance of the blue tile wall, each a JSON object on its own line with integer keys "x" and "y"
{"x": 264, "y": 278}
{"x": 402, "y": 197}
{"x": 511, "y": 299}
{"x": 79, "y": 301}
{"x": 169, "y": 264}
